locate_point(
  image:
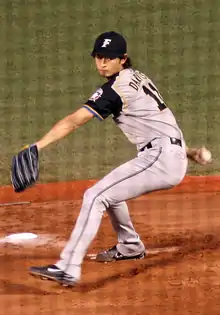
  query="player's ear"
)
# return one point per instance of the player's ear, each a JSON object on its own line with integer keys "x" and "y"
{"x": 124, "y": 59}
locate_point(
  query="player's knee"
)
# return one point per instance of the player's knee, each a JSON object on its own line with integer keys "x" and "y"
{"x": 88, "y": 195}
{"x": 95, "y": 198}
{"x": 102, "y": 200}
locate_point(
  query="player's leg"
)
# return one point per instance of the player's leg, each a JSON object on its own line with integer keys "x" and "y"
{"x": 121, "y": 222}
{"x": 127, "y": 236}
{"x": 71, "y": 257}
{"x": 166, "y": 172}
{"x": 85, "y": 230}
{"x": 154, "y": 169}
{"x": 119, "y": 185}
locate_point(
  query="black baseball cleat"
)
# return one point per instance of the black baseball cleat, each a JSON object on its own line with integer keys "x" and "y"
{"x": 66, "y": 280}
{"x": 49, "y": 272}
{"x": 113, "y": 254}
{"x": 52, "y": 272}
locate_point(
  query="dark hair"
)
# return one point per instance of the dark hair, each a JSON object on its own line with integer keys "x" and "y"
{"x": 128, "y": 63}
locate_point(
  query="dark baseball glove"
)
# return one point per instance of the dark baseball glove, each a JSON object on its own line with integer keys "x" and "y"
{"x": 25, "y": 168}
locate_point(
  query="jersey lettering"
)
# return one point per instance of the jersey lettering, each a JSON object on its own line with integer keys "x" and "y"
{"x": 151, "y": 90}
{"x": 136, "y": 80}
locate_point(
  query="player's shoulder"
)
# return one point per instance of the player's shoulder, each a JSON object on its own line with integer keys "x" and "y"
{"x": 127, "y": 76}
{"x": 128, "y": 82}
{"x": 106, "y": 90}
{"x": 110, "y": 81}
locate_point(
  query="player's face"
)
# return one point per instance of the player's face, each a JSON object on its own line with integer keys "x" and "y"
{"x": 107, "y": 66}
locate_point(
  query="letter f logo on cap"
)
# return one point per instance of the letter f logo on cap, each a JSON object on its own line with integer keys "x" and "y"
{"x": 106, "y": 42}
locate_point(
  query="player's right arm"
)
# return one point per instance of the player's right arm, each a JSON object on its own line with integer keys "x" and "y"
{"x": 65, "y": 126}
{"x": 197, "y": 155}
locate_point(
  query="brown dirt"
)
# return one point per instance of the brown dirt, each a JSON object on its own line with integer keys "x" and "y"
{"x": 186, "y": 281}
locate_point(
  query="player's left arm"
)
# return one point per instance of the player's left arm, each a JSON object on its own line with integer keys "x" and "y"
{"x": 25, "y": 164}
{"x": 65, "y": 126}
{"x": 199, "y": 155}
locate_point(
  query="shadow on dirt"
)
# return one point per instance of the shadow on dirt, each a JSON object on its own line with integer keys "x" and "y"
{"x": 9, "y": 288}
{"x": 189, "y": 246}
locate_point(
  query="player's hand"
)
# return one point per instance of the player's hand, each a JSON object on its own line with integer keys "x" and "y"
{"x": 201, "y": 155}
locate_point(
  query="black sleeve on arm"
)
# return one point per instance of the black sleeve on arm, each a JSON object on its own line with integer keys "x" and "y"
{"x": 104, "y": 102}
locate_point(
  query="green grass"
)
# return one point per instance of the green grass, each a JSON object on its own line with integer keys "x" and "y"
{"x": 46, "y": 72}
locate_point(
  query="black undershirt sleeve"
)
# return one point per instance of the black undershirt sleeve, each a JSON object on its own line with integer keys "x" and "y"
{"x": 104, "y": 102}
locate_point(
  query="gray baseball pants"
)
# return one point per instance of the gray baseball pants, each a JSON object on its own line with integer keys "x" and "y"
{"x": 161, "y": 167}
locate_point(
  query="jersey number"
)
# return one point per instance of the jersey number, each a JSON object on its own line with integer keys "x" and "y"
{"x": 154, "y": 93}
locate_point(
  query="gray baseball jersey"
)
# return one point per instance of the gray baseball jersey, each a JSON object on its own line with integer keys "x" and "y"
{"x": 139, "y": 110}
{"x": 137, "y": 107}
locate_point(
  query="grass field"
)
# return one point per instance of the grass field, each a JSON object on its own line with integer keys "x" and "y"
{"x": 46, "y": 72}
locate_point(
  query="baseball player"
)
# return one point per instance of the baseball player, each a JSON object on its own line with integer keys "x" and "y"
{"x": 139, "y": 110}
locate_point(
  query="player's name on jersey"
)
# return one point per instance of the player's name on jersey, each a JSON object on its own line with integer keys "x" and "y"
{"x": 136, "y": 80}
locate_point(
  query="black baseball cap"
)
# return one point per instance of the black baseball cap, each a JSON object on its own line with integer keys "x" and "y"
{"x": 110, "y": 44}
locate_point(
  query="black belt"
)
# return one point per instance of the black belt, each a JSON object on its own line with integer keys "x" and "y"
{"x": 172, "y": 141}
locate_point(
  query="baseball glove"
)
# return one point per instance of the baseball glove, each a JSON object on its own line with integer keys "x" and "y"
{"x": 25, "y": 168}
